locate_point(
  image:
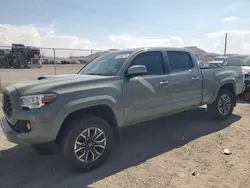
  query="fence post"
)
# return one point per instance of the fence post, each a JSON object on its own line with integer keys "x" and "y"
{"x": 91, "y": 51}
{"x": 1, "y": 89}
{"x": 54, "y": 60}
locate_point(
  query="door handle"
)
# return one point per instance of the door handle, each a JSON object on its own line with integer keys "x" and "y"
{"x": 164, "y": 82}
{"x": 196, "y": 78}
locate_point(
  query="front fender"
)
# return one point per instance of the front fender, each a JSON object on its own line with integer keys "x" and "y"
{"x": 85, "y": 103}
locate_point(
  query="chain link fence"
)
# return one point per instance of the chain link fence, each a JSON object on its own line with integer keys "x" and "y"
{"x": 23, "y": 63}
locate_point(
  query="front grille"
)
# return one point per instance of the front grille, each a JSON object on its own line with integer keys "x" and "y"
{"x": 7, "y": 107}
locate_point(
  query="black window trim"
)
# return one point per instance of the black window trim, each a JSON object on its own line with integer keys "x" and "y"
{"x": 167, "y": 60}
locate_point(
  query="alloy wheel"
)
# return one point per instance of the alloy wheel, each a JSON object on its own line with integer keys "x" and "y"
{"x": 224, "y": 104}
{"x": 90, "y": 145}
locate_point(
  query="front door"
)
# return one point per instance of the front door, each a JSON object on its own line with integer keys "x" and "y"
{"x": 147, "y": 96}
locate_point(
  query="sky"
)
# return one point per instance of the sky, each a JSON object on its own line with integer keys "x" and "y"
{"x": 99, "y": 24}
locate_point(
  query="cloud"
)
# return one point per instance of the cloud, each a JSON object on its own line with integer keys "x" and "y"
{"x": 229, "y": 19}
{"x": 238, "y": 41}
{"x": 42, "y": 37}
{"x": 128, "y": 41}
{"x": 46, "y": 37}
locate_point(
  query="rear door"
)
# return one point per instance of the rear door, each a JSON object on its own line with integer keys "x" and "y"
{"x": 147, "y": 96}
{"x": 186, "y": 81}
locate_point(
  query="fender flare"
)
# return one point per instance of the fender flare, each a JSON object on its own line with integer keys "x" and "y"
{"x": 222, "y": 83}
{"x": 78, "y": 105}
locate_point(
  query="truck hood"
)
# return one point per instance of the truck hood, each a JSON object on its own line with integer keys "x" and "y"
{"x": 50, "y": 83}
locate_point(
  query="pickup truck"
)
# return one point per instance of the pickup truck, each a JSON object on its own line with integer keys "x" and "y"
{"x": 82, "y": 114}
{"x": 242, "y": 61}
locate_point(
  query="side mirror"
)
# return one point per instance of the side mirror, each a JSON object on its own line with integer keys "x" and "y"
{"x": 136, "y": 70}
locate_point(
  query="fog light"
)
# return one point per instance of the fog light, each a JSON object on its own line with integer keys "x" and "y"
{"x": 25, "y": 126}
{"x": 28, "y": 126}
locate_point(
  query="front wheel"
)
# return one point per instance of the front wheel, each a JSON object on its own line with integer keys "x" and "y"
{"x": 222, "y": 107}
{"x": 87, "y": 143}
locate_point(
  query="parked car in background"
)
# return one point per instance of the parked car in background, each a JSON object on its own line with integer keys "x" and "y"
{"x": 54, "y": 62}
{"x": 217, "y": 61}
{"x": 45, "y": 61}
{"x": 83, "y": 113}
{"x": 242, "y": 61}
{"x": 75, "y": 62}
{"x": 71, "y": 62}
{"x": 83, "y": 61}
{"x": 203, "y": 64}
{"x": 65, "y": 62}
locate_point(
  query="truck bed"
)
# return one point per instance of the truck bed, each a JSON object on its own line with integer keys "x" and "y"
{"x": 213, "y": 76}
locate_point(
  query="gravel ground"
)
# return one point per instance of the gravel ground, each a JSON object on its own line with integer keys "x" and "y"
{"x": 184, "y": 150}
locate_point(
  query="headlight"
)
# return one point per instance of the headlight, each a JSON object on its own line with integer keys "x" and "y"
{"x": 36, "y": 101}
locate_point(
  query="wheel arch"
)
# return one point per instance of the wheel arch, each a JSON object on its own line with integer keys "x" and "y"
{"x": 102, "y": 110}
{"x": 230, "y": 86}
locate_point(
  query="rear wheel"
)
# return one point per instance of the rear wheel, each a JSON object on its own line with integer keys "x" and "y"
{"x": 222, "y": 107}
{"x": 87, "y": 143}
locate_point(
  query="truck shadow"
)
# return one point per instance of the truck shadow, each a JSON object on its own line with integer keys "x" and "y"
{"x": 20, "y": 166}
{"x": 241, "y": 99}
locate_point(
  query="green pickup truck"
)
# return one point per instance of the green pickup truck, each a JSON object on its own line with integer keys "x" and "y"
{"x": 84, "y": 113}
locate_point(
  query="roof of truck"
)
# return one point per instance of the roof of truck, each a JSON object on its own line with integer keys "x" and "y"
{"x": 154, "y": 48}
{"x": 222, "y": 56}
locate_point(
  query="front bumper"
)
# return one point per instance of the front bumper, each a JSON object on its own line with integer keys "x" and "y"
{"x": 39, "y": 133}
{"x": 42, "y": 122}
{"x": 9, "y": 133}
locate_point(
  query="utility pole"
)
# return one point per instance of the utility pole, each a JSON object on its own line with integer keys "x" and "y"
{"x": 54, "y": 50}
{"x": 225, "y": 47}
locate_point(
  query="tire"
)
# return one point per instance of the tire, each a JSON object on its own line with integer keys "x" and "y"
{"x": 216, "y": 107}
{"x": 80, "y": 130}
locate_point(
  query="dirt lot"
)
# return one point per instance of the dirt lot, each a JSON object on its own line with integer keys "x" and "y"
{"x": 160, "y": 153}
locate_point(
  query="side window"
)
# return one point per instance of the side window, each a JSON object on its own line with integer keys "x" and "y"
{"x": 152, "y": 60}
{"x": 179, "y": 61}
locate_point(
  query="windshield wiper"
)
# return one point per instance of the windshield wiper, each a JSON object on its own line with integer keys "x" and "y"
{"x": 94, "y": 74}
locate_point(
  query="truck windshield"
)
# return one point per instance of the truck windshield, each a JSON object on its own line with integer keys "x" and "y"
{"x": 237, "y": 61}
{"x": 107, "y": 64}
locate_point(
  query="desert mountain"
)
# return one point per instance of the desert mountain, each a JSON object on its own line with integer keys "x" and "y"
{"x": 200, "y": 54}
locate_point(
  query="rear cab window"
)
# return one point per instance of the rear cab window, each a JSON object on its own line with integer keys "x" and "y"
{"x": 179, "y": 61}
